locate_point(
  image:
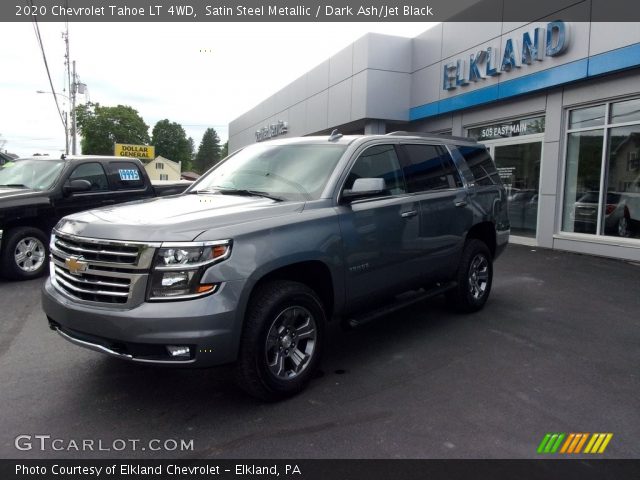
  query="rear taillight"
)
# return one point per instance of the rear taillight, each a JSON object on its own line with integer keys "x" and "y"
{"x": 610, "y": 208}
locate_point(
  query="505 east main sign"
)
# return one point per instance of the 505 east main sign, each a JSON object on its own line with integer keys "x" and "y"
{"x": 549, "y": 41}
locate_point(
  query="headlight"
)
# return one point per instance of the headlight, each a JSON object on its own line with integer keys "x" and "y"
{"x": 178, "y": 268}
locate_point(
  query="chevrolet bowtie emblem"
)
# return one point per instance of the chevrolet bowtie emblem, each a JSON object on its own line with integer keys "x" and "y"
{"x": 76, "y": 265}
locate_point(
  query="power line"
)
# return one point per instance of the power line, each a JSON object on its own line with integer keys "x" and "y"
{"x": 46, "y": 64}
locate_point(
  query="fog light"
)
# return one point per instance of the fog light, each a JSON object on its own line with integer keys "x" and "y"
{"x": 178, "y": 351}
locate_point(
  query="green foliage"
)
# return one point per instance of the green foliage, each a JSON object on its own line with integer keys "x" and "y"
{"x": 209, "y": 152}
{"x": 224, "y": 151}
{"x": 192, "y": 154}
{"x": 102, "y": 127}
{"x": 171, "y": 142}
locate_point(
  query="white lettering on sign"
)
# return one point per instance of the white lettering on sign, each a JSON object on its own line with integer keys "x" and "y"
{"x": 273, "y": 130}
{"x": 551, "y": 41}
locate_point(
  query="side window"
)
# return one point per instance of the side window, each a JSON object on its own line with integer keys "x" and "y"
{"x": 379, "y": 161}
{"x": 125, "y": 176}
{"x": 426, "y": 169}
{"x": 481, "y": 165}
{"x": 450, "y": 171}
{"x": 93, "y": 173}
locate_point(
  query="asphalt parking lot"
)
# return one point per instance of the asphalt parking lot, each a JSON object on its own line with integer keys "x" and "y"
{"x": 557, "y": 349}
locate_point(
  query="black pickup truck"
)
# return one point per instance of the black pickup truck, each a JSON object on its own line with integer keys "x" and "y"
{"x": 37, "y": 192}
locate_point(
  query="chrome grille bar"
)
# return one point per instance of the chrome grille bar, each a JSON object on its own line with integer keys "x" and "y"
{"x": 113, "y": 272}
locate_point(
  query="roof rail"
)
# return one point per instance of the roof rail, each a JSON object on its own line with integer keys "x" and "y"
{"x": 436, "y": 136}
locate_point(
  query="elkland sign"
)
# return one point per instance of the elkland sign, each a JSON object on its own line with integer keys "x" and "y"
{"x": 490, "y": 62}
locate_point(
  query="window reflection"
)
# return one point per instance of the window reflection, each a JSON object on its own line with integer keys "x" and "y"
{"x": 582, "y": 181}
{"x": 622, "y": 209}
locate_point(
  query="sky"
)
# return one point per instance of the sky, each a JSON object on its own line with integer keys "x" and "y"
{"x": 197, "y": 74}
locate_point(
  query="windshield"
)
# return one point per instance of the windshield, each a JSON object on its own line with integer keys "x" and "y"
{"x": 34, "y": 174}
{"x": 289, "y": 172}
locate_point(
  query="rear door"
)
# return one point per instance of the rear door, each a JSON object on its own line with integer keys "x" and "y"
{"x": 379, "y": 234}
{"x": 127, "y": 181}
{"x": 445, "y": 217}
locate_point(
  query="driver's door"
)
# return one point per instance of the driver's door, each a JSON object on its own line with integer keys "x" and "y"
{"x": 380, "y": 234}
{"x": 98, "y": 196}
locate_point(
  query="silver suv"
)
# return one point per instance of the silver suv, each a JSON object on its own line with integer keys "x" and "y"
{"x": 252, "y": 262}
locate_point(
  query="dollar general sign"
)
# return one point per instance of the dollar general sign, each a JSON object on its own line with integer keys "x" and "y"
{"x": 147, "y": 152}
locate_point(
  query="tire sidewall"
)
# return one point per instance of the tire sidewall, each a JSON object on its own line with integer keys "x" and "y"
{"x": 291, "y": 294}
{"x": 10, "y": 269}
{"x": 476, "y": 248}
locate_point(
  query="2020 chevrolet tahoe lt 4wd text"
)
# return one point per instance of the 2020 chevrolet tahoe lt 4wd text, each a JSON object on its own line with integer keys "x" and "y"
{"x": 259, "y": 254}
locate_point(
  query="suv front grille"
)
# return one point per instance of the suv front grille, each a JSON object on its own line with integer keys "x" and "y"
{"x": 100, "y": 271}
{"x": 121, "y": 254}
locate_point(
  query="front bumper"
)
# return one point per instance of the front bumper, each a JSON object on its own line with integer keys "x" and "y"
{"x": 210, "y": 326}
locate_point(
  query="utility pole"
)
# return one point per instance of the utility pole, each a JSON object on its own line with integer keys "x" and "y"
{"x": 65, "y": 36}
{"x": 74, "y": 88}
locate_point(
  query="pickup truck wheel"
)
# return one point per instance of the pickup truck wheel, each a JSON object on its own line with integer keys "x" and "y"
{"x": 24, "y": 254}
{"x": 474, "y": 278}
{"x": 281, "y": 342}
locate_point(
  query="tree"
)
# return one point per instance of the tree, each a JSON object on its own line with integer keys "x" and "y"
{"x": 171, "y": 142}
{"x": 192, "y": 153}
{"x": 224, "y": 151}
{"x": 209, "y": 151}
{"x": 102, "y": 127}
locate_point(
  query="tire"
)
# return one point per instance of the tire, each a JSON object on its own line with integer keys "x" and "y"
{"x": 274, "y": 361}
{"x": 24, "y": 254}
{"x": 474, "y": 278}
{"x": 624, "y": 226}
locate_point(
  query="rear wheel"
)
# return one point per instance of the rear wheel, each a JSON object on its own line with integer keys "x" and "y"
{"x": 24, "y": 253}
{"x": 282, "y": 340}
{"x": 624, "y": 226}
{"x": 474, "y": 278}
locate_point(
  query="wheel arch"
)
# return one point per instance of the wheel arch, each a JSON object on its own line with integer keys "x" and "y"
{"x": 485, "y": 232}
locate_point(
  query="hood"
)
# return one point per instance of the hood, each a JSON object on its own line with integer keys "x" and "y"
{"x": 13, "y": 201}
{"x": 11, "y": 193}
{"x": 181, "y": 218}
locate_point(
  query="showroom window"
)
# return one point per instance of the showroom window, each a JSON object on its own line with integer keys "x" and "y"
{"x": 602, "y": 177}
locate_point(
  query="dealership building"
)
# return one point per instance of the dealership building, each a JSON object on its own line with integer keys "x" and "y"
{"x": 557, "y": 102}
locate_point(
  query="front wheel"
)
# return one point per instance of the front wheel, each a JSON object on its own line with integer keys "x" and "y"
{"x": 282, "y": 340}
{"x": 474, "y": 277}
{"x": 24, "y": 254}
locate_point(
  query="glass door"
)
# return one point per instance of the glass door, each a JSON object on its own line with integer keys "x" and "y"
{"x": 518, "y": 163}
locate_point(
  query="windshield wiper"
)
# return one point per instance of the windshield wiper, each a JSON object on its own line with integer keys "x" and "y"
{"x": 249, "y": 193}
{"x": 13, "y": 185}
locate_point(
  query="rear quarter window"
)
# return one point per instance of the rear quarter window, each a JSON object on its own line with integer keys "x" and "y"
{"x": 481, "y": 165}
{"x": 125, "y": 176}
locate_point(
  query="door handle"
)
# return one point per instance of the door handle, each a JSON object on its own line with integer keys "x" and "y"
{"x": 410, "y": 213}
{"x": 461, "y": 203}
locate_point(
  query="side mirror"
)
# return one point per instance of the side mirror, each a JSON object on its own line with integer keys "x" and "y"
{"x": 79, "y": 185}
{"x": 365, "y": 187}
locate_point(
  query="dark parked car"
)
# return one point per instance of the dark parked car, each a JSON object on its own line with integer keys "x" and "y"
{"x": 251, "y": 263}
{"x": 37, "y": 192}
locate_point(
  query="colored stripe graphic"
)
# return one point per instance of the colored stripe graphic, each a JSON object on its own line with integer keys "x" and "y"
{"x": 572, "y": 443}
{"x": 581, "y": 443}
{"x": 598, "y": 442}
{"x": 551, "y": 442}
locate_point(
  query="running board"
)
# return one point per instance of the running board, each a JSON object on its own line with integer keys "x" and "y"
{"x": 366, "y": 317}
